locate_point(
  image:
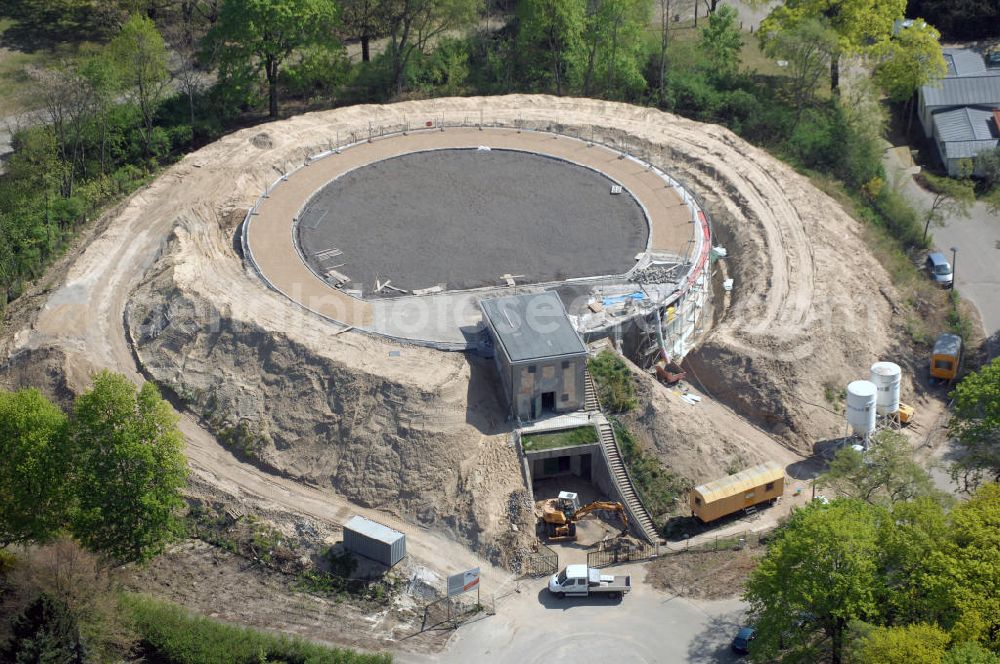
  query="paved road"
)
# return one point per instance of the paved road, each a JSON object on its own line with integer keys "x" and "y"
{"x": 977, "y": 239}
{"x": 647, "y": 626}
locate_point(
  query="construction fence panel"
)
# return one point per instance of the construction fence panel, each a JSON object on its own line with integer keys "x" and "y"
{"x": 543, "y": 562}
{"x": 616, "y": 556}
{"x": 450, "y": 612}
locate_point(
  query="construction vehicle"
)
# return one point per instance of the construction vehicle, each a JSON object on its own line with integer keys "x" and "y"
{"x": 559, "y": 515}
{"x": 905, "y": 413}
{"x": 581, "y": 581}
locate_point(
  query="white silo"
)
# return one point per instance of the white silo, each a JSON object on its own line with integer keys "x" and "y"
{"x": 861, "y": 396}
{"x": 886, "y": 376}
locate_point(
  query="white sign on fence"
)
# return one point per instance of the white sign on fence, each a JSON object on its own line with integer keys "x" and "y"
{"x": 463, "y": 582}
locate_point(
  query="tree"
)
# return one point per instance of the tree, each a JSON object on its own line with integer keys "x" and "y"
{"x": 141, "y": 58}
{"x": 951, "y": 198}
{"x": 989, "y": 165}
{"x": 32, "y": 475}
{"x": 914, "y": 644}
{"x": 413, "y": 25}
{"x": 666, "y": 7}
{"x": 553, "y": 30}
{"x": 911, "y": 59}
{"x": 886, "y": 472}
{"x": 861, "y": 25}
{"x": 615, "y": 50}
{"x": 721, "y": 40}
{"x": 818, "y": 576}
{"x": 129, "y": 468}
{"x": 44, "y": 632}
{"x": 964, "y": 574}
{"x": 259, "y": 35}
{"x": 365, "y": 20}
{"x": 970, "y": 652}
{"x": 808, "y": 48}
{"x": 975, "y": 423}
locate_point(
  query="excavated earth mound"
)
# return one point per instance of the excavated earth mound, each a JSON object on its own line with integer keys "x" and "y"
{"x": 416, "y": 432}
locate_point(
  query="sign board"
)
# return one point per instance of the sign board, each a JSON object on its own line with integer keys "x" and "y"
{"x": 463, "y": 582}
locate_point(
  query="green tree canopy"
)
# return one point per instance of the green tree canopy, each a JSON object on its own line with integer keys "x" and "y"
{"x": 914, "y": 644}
{"x": 615, "y": 51}
{"x": 861, "y": 25}
{"x": 140, "y": 56}
{"x": 886, "y": 472}
{"x": 911, "y": 59}
{"x": 259, "y": 35}
{"x": 551, "y": 31}
{"x": 975, "y": 423}
{"x": 965, "y": 573}
{"x": 33, "y": 471}
{"x": 808, "y": 47}
{"x": 721, "y": 41}
{"x": 129, "y": 468}
{"x": 818, "y": 576}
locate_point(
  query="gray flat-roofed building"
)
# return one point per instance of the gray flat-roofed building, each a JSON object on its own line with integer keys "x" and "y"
{"x": 957, "y": 111}
{"x": 540, "y": 357}
{"x": 963, "y": 133}
{"x": 373, "y": 540}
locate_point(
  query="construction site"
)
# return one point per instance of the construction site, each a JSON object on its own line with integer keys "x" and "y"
{"x": 388, "y": 312}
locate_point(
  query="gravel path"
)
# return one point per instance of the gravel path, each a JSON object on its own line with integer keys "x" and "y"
{"x": 465, "y": 218}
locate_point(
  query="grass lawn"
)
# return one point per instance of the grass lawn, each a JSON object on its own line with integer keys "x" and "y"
{"x": 536, "y": 442}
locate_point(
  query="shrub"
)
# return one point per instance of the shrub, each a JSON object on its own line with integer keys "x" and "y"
{"x": 175, "y": 636}
{"x": 615, "y": 388}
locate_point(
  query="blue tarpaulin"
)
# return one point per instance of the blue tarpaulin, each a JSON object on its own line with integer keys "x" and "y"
{"x": 608, "y": 301}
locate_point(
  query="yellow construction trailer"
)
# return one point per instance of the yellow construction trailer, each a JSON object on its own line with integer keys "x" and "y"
{"x": 714, "y": 500}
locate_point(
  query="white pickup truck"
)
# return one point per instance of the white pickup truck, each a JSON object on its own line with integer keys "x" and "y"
{"x": 580, "y": 581}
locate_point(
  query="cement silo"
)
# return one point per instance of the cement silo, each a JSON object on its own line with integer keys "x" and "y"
{"x": 861, "y": 398}
{"x": 886, "y": 377}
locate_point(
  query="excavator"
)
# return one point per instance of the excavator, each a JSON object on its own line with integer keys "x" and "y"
{"x": 559, "y": 515}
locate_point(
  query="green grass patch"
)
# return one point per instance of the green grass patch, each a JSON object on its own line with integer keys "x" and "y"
{"x": 173, "y": 635}
{"x": 615, "y": 385}
{"x": 536, "y": 442}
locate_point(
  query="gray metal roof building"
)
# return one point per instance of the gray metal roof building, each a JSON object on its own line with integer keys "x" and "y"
{"x": 957, "y": 111}
{"x": 532, "y": 326}
{"x": 964, "y": 132}
{"x": 373, "y": 540}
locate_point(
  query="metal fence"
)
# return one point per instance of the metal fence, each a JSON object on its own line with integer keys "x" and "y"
{"x": 617, "y": 555}
{"x": 732, "y": 541}
{"x": 543, "y": 562}
{"x": 450, "y": 612}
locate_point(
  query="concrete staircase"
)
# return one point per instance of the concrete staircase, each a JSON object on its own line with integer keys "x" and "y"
{"x": 637, "y": 511}
{"x": 590, "y": 402}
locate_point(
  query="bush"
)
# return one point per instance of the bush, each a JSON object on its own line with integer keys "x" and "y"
{"x": 658, "y": 487}
{"x": 175, "y": 636}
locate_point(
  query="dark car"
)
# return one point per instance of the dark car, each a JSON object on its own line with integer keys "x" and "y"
{"x": 741, "y": 644}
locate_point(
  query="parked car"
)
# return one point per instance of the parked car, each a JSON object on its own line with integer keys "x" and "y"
{"x": 939, "y": 268}
{"x": 741, "y": 643}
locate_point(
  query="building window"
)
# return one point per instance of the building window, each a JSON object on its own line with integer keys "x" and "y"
{"x": 532, "y": 369}
{"x": 697, "y": 500}
{"x": 769, "y": 486}
{"x": 565, "y": 364}
{"x": 564, "y": 397}
{"x": 749, "y": 495}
